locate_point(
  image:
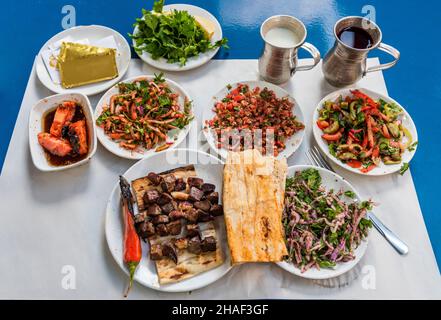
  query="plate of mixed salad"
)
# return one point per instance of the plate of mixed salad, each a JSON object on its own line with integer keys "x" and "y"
{"x": 325, "y": 221}
{"x": 365, "y": 132}
{"x": 254, "y": 114}
{"x": 143, "y": 116}
{"x": 177, "y": 37}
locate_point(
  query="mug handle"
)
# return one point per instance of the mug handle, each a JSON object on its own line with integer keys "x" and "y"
{"x": 390, "y": 50}
{"x": 315, "y": 55}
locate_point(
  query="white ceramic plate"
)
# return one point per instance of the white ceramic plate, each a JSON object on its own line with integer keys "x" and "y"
{"x": 382, "y": 169}
{"x": 176, "y": 135}
{"x": 330, "y": 180}
{"x": 46, "y": 105}
{"x": 292, "y": 144}
{"x": 193, "y": 62}
{"x": 208, "y": 168}
{"x": 92, "y": 33}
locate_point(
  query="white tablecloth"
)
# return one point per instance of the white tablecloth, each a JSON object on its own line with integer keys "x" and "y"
{"x": 53, "y": 223}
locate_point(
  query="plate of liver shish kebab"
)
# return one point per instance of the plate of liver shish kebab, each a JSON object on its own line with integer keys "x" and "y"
{"x": 174, "y": 229}
{"x": 186, "y": 224}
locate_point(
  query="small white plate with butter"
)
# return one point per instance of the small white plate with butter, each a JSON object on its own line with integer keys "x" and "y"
{"x": 210, "y": 24}
{"x": 92, "y": 35}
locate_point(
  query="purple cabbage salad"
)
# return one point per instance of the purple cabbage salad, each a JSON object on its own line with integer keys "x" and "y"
{"x": 321, "y": 228}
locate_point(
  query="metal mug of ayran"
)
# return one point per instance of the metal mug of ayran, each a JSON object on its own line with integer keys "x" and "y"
{"x": 278, "y": 64}
{"x": 344, "y": 65}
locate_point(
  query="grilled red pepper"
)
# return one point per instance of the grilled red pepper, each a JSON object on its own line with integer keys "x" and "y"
{"x": 132, "y": 244}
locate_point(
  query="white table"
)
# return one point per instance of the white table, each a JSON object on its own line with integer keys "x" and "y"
{"x": 52, "y": 220}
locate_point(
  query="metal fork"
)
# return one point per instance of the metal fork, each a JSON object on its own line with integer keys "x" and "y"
{"x": 316, "y": 158}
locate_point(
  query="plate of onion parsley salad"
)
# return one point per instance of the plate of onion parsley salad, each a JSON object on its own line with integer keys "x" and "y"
{"x": 177, "y": 37}
{"x": 365, "y": 132}
{"x": 325, "y": 222}
{"x": 142, "y": 116}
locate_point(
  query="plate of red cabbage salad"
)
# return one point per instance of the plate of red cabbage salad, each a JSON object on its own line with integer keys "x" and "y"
{"x": 254, "y": 114}
{"x": 325, "y": 222}
{"x": 365, "y": 132}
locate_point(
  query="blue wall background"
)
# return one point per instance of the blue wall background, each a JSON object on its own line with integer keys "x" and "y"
{"x": 410, "y": 26}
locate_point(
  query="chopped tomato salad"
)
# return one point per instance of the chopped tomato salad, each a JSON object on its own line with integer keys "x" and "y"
{"x": 246, "y": 117}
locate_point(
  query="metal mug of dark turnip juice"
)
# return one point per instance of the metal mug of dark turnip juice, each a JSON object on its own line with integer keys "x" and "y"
{"x": 283, "y": 36}
{"x": 355, "y": 37}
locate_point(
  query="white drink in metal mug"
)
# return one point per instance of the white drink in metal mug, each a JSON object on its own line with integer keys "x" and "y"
{"x": 279, "y": 60}
{"x": 344, "y": 65}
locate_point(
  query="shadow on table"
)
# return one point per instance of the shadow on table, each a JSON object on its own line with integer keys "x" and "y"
{"x": 52, "y": 187}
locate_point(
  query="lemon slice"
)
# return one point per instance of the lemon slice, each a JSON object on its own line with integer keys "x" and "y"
{"x": 165, "y": 13}
{"x": 207, "y": 25}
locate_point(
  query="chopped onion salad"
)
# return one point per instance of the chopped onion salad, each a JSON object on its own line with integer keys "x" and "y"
{"x": 321, "y": 228}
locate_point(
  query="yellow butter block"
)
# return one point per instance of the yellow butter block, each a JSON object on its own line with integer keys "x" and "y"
{"x": 81, "y": 64}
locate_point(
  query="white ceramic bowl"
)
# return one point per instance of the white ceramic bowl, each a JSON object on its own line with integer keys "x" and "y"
{"x": 46, "y": 105}
{"x": 192, "y": 62}
{"x": 330, "y": 180}
{"x": 92, "y": 33}
{"x": 382, "y": 169}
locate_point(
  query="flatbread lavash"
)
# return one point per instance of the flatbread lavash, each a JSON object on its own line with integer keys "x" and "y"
{"x": 253, "y": 198}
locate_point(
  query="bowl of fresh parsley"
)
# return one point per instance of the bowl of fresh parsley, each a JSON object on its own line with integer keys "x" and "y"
{"x": 177, "y": 37}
